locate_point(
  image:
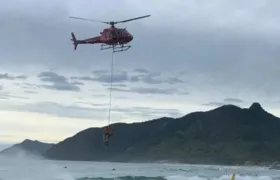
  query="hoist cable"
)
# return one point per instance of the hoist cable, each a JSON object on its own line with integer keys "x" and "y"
{"x": 111, "y": 83}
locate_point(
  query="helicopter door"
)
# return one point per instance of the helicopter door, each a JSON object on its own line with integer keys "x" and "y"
{"x": 108, "y": 35}
{"x": 114, "y": 34}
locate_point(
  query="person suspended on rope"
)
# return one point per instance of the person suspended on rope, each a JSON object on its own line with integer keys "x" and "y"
{"x": 108, "y": 132}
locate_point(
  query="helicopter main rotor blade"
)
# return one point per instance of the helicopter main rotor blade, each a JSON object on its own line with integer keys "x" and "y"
{"x": 87, "y": 19}
{"x": 132, "y": 19}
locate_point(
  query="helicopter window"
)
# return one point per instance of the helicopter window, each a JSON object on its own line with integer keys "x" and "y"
{"x": 124, "y": 31}
{"x": 119, "y": 31}
{"x": 113, "y": 33}
{"x": 108, "y": 34}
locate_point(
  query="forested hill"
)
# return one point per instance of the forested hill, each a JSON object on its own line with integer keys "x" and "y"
{"x": 225, "y": 135}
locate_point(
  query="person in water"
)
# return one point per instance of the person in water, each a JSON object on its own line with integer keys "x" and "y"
{"x": 107, "y": 133}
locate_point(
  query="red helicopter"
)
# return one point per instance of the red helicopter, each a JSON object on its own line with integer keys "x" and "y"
{"x": 115, "y": 38}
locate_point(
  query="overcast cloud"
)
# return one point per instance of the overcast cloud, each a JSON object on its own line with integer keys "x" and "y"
{"x": 189, "y": 55}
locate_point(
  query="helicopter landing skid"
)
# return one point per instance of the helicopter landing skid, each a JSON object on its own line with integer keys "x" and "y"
{"x": 116, "y": 48}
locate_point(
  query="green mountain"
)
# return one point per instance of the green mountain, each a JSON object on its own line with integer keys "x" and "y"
{"x": 225, "y": 135}
{"x": 27, "y": 148}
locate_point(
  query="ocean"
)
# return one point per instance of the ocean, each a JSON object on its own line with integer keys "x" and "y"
{"x": 36, "y": 169}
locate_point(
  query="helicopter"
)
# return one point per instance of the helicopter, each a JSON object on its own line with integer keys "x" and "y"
{"x": 111, "y": 38}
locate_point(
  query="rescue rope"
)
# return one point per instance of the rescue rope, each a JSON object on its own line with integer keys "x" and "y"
{"x": 111, "y": 83}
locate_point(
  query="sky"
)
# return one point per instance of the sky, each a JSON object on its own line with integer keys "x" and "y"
{"x": 190, "y": 55}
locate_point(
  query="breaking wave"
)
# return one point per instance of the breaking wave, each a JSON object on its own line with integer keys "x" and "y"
{"x": 224, "y": 177}
{"x": 37, "y": 169}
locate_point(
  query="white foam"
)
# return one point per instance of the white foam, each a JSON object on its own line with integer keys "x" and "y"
{"x": 36, "y": 169}
{"x": 223, "y": 177}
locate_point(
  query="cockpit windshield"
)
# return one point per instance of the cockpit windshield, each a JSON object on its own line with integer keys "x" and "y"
{"x": 122, "y": 31}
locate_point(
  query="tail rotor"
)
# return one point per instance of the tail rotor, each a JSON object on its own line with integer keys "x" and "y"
{"x": 74, "y": 41}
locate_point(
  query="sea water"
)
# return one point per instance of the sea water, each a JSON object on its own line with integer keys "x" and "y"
{"x": 36, "y": 169}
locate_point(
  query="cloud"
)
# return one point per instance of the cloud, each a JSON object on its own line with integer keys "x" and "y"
{"x": 58, "y": 82}
{"x": 212, "y": 103}
{"x": 10, "y": 77}
{"x": 30, "y": 92}
{"x": 145, "y": 77}
{"x": 98, "y": 95}
{"x": 151, "y": 112}
{"x": 233, "y": 54}
{"x": 225, "y": 101}
{"x": 77, "y": 83}
{"x": 142, "y": 90}
{"x": 28, "y": 86}
{"x": 215, "y": 58}
{"x": 7, "y": 96}
{"x": 95, "y": 111}
{"x": 154, "y": 78}
{"x": 141, "y": 70}
{"x": 119, "y": 85}
{"x": 118, "y": 77}
{"x": 233, "y": 100}
{"x": 92, "y": 104}
{"x": 105, "y": 77}
{"x": 6, "y": 135}
{"x": 60, "y": 110}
